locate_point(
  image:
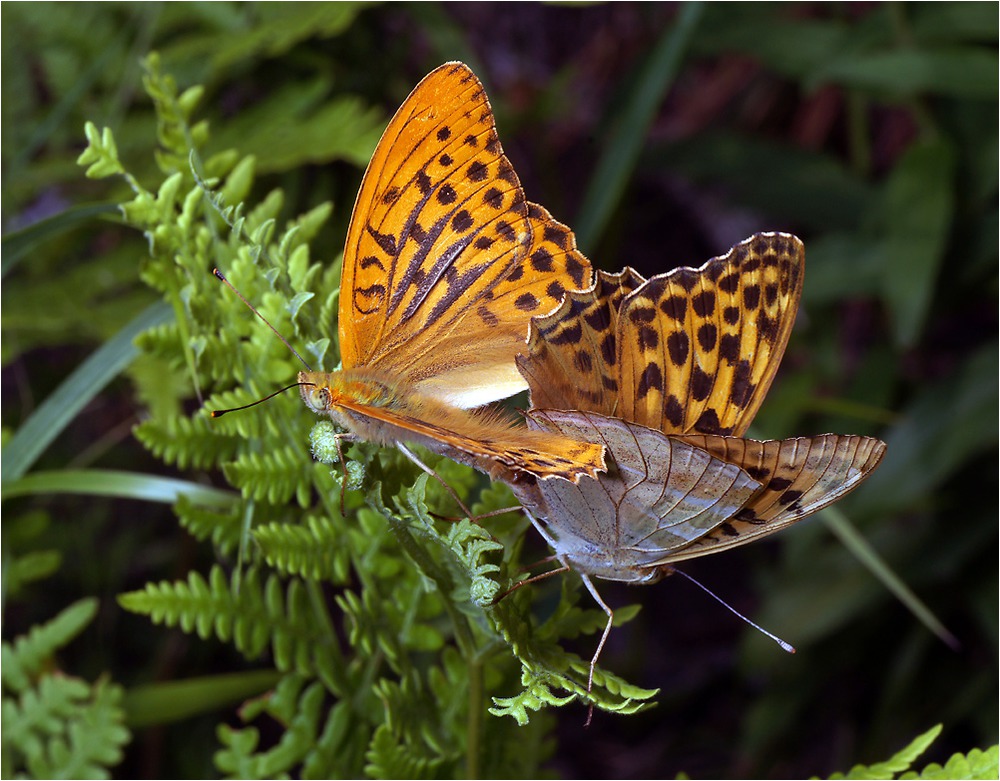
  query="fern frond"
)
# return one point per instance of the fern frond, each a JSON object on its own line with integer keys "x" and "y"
{"x": 377, "y": 626}
{"x": 471, "y": 543}
{"x": 312, "y": 745}
{"x": 30, "y": 654}
{"x": 21, "y": 570}
{"x": 547, "y": 667}
{"x": 310, "y": 550}
{"x": 101, "y": 154}
{"x": 250, "y": 614}
{"x": 58, "y": 725}
{"x": 388, "y": 757}
{"x": 224, "y": 529}
{"x": 186, "y": 442}
{"x": 275, "y": 477}
{"x": 173, "y": 113}
{"x": 64, "y": 728}
{"x": 974, "y": 765}
{"x": 302, "y": 722}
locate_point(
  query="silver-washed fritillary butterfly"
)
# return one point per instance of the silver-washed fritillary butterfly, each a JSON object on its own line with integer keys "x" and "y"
{"x": 667, "y": 374}
{"x": 445, "y": 263}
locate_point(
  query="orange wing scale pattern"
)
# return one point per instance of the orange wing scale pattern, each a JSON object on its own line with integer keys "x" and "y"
{"x": 445, "y": 264}
{"x": 700, "y": 347}
{"x": 681, "y": 361}
{"x": 446, "y": 261}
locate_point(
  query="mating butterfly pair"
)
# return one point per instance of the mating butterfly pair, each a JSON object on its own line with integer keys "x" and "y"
{"x": 641, "y": 390}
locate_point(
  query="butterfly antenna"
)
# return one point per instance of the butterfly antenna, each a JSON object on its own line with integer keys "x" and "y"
{"x": 251, "y": 307}
{"x": 784, "y": 646}
{"x": 218, "y": 413}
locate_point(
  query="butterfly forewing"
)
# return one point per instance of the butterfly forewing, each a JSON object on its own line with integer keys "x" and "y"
{"x": 800, "y": 476}
{"x": 550, "y": 268}
{"x": 698, "y": 348}
{"x": 440, "y": 239}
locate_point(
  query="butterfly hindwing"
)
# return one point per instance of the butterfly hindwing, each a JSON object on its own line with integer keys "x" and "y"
{"x": 571, "y": 355}
{"x": 659, "y": 495}
{"x": 637, "y": 350}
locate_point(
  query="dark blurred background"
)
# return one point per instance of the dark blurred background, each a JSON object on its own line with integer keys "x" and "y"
{"x": 662, "y": 134}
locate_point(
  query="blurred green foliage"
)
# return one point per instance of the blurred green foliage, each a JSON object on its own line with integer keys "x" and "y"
{"x": 663, "y": 135}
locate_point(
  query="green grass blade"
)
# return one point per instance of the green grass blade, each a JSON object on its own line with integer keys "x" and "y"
{"x": 627, "y": 135}
{"x": 163, "y": 703}
{"x": 17, "y": 244}
{"x": 124, "y": 485}
{"x": 55, "y": 413}
{"x": 839, "y": 524}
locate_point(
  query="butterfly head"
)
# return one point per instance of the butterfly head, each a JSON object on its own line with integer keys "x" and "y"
{"x": 315, "y": 390}
{"x": 323, "y": 392}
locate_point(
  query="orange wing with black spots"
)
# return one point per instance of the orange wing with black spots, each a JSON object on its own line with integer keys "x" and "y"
{"x": 444, "y": 266}
{"x": 572, "y": 355}
{"x": 699, "y": 348}
{"x": 635, "y": 364}
{"x": 446, "y": 261}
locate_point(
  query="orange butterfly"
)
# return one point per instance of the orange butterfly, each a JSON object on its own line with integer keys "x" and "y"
{"x": 445, "y": 263}
{"x": 667, "y": 374}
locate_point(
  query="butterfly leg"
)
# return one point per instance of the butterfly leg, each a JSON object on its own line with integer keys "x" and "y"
{"x": 343, "y": 468}
{"x": 532, "y": 579}
{"x": 413, "y": 457}
{"x": 600, "y": 646}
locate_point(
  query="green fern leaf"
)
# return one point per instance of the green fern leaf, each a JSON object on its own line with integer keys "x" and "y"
{"x": 31, "y": 653}
{"x": 388, "y": 758}
{"x": 310, "y": 745}
{"x": 974, "y": 765}
{"x": 186, "y": 442}
{"x": 65, "y": 728}
{"x": 57, "y": 726}
{"x": 310, "y": 551}
{"x": 19, "y": 571}
{"x": 224, "y": 529}
{"x": 252, "y": 615}
{"x": 101, "y": 154}
{"x": 275, "y": 477}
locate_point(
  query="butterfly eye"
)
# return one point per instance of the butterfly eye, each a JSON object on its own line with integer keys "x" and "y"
{"x": 318, "y": 399}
